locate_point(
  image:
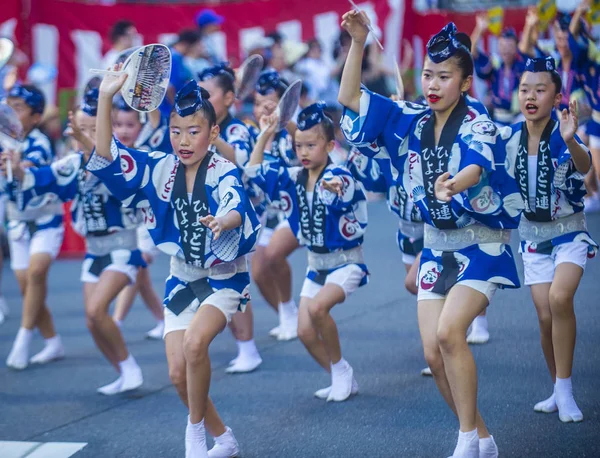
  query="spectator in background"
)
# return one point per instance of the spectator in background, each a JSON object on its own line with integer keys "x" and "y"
{"x": 262, "y": 46}
{"x": 180, "y": 74}
{"x": 209, "y": 23}
{"x": 314, "y": 70}
{"x": 123, "y": 35}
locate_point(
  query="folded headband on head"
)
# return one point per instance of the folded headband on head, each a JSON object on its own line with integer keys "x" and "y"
{"x": 540, "y": 64}
{"x": 32, "y": 97}
{"x": 444, "y": 44}
{"x": 190, "y": 98}
{"x": 89, "y": 103}
{"x": 120, "y": 104}
{"x": 211, "y": 72}
{"x": 268, "y": 82}
{"x": 311, "y": 116}
{"x": 509, "y": 32}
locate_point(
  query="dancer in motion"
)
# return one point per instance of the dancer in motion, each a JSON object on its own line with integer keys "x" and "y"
{"x": 447, "y": 167}
{"x": 198, "y": 213}
{"x": 34, "y": 236}
{"x": 549, "y": 163}
{"x": 112, "y": 258}
{"x": 270, "y": 270}
{"x": 147, "y": 136}
{"x": 332, "y": 213}
{"x": 233, "y": 143}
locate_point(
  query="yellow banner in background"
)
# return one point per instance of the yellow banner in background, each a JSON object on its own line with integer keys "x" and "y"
{"x": 546, "y": 12}
{"x": 594, "y": 14}
{"x": 496, "y": 18}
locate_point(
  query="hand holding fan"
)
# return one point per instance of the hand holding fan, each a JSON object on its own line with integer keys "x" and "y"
{"x": 369, "y": 26}
{"x": 248, "y": 75}
{"x": 11, "y": 133}
{"x": 148, "y": 71}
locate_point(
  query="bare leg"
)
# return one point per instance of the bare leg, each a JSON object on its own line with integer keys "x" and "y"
{"x": 308, "y": 334}
{"x": 412, "y": 270}
{"x": 35, "y": 293}
{"x": 104, "y": 330}
{"x": 263, "y": 277}
{"x": 283, "y": 243}
{"x": 147, "y": 292}
{"x": 319, "y": 308}
{"x": 208, "y": 322}
{"x": 462, "y": 305}
{"x": 541, "y": 299}
{"x": 242, "y": 324}
{"x": 124, "y": 302}
{"x": 177, "y": 374}
{"x": 564, "y": 325}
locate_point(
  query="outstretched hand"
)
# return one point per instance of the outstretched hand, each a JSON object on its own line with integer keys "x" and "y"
{"x": 268, "y": 124}
{"x": 333, "y": 185}
{"x": 569, "y": 122}
{"x": 214, "y": 224}
{"x": 444, "y": 187}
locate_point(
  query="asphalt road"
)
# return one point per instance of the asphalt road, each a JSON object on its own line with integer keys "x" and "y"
{"x": 398, "y": 413}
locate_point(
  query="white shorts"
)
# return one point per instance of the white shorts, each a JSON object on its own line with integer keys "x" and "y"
{"x": 408, "y": 259}
{"x": 227, "y": 300}
{"x": 88, "y": 277}
{"x": 266, "y": 232}
{"x": 22, "y": 245}
{"x": 145, "y": 242}
{"x": 539, "y": 268}
{"x": 484, "y": 287}
{"x": 348, "y": 278}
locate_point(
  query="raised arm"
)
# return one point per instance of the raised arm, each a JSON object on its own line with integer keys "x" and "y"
{"x": 569, "y": 122}
{"x": 527, "y": 42}
{"x": 268, "y": 125}
{"x": 481, "y": 25}
{"x": 582, "y": 9}
{"x": 356, "y": 25}
{"x": 111, "y": 84}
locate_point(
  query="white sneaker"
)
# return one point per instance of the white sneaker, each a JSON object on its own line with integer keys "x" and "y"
{"x": 275, "y": 331}
{"x": 53, "y": 350}
{"x": 195, "y": 441}
{"x": 242, "y": 365}
{"x": 478, "y": 335}
{"x": 426, "y": 372}
{"x": 324, "y": 392}
{"x": 226, "y": 446}
{"x": 156, "y": 333}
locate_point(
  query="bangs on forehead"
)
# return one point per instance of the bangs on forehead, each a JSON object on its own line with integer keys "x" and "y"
{"x": 449, "y": 65}
{"x": 534, "y": 78}
{"x": 196, "y": 119}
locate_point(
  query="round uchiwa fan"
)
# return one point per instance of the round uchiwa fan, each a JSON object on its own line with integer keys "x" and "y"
{"x": 11, "y": 134}
{"x": 249, "y": 72}
{"x": 288, "y": 104}
{"x": 7, "y": 48}
{"x": 148, "y": 70}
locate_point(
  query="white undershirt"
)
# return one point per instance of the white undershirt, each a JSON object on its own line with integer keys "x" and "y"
{"x": 532, "y": 179}
{"x": 189, "y": 197}
{"x": 309, "y": 200}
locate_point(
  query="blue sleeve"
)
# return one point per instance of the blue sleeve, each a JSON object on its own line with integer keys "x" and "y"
{"x": 483, "y": 66}
{"x": 60, "y": 178}
{"x": 271, "y": 178}
{"x": 371, "y": 172}
{"x": 124, "y": 175}
{"x": 237, "y": 135}
{"x": 579, "y": 48}
{"x": 349, "y": 187}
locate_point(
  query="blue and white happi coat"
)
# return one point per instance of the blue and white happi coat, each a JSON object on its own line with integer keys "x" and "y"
{"x": 155, "y": 138}
{"x": 329, "y": 223}
{"x": 282, "y": 154}
{"x": 467, "y": 139}
{"x": 235, "y": 132}
{"x": 149, "y": 181}
{"x": 95, "y": 213}
{"x": 380, "y": 176}
{"x": 553, "y": 212}
{"x": 43, "y": 212}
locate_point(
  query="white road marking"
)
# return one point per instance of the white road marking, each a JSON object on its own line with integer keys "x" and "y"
{"x": 14, "y": 449}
